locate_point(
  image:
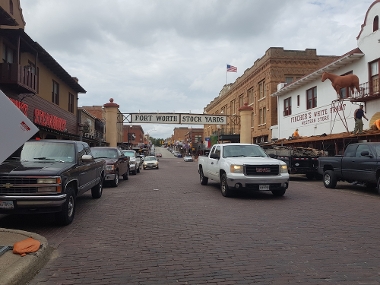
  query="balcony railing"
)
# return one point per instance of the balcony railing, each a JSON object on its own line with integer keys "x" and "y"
{"x": 367, "y": 92}
{"x": 20, "y": 76}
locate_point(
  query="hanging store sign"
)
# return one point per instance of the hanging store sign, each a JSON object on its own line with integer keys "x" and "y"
{"x": 47, "y": 120}
{"x": 180, "y": 118}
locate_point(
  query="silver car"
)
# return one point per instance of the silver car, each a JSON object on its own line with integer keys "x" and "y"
{"x": 134, "y": 161}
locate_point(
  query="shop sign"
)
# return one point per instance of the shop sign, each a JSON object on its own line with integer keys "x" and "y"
{"x": 22, "y": 106}
{"x": 47, "y": 120}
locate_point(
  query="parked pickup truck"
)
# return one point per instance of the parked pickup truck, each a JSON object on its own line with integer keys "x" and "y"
{"x": 360, "y": 162}
{"x": 243, "y": 166}
{"x": 48, "y": 176}
{"x": 116, "y": 163}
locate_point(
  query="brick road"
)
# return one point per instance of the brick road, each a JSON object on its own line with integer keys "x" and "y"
{"x": 163, "y": 227}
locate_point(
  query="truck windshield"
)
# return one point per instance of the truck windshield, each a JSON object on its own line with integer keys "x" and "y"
{"x": 243, "y": 151}
{"x": 48, "y": 151}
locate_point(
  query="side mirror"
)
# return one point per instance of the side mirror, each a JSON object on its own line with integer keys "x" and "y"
{"x": 366, "y": 153}
{"x": 87, "y": 158}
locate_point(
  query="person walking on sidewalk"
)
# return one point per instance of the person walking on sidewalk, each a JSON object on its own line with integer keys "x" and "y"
{"x": 358, "y": 115}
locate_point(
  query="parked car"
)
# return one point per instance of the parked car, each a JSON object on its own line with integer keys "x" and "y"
{"x": 116, "y": 163}
{"x": 150, "y": 162}
{"x": 134, "y": 161}
{"x": 188, "y": 158}
{"x": 158, "y": 154}
{"x": 48, "y": 177}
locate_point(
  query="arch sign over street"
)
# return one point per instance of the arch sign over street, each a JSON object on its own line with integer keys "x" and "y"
{"x": 176, "y": 118}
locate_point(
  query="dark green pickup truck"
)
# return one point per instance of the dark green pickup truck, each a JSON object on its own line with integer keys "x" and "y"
{"x": 360, "y": 162}
{"x": 47, "y": 178}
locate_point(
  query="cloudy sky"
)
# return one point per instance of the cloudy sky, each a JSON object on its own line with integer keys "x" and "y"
{"x": 171, "y": 55}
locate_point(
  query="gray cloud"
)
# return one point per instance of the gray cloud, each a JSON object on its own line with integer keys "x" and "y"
{"x": 171, "y": 55}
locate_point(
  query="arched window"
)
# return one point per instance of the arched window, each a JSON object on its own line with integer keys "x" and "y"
{"x": 376, "y": 23}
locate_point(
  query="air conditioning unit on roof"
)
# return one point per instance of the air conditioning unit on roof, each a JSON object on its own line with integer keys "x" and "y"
{"x": 280, "y": 86}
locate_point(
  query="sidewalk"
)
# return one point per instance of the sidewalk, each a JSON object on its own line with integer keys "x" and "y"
{"x": 14, "y": 269}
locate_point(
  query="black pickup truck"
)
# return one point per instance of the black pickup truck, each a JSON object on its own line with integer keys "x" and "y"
{"x": 360, "y": 162}
{"x": 47, "y": 178}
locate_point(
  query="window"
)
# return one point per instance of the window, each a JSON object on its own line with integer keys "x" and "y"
{"x": 361, "y": 148}
{"x": 262, "y": 116}
{"x": 241, "y": 101}
{"x": 261, "y": 89}
{"x": 298, "y": 100}
{"x": 71, "y": 103}
{"x": 376, "y": 23}
{"x": 311, "y": 97}
{"x": 345, "y": 92}
{"x": 250, "y": 95}
{"x": 287, "y": 106}
{"x": 8, "y": 54}
{"x": 55, "y": 93}
{"x": 232, "y": 105}
{"x": 288, "y": 79}
{"x": 374, "y": 77}
{"x": 11, "y": 7}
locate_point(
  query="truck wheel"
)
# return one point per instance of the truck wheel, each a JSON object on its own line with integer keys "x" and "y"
{"x": 66, "y": 216}
{"x": 97, "y": 190}
{"x": 204, "y": 180}
{"x": 329, "y": 179}
{"x": 279, "y": 193}
{"x": 115, "y": 182}
{"x": 226, "y": 191}
{"x": 125, "y": 175}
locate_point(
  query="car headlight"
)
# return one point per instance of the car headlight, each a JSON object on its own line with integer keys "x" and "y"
{"x": 283, "y": 168}
{"x": 49, "y": 180}
{"x": 110, "y": 167}
{"x": 55, "y": 184}
{"x": 234, "y": 168}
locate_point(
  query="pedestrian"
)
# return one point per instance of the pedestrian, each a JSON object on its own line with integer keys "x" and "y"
{"x": 358, "y": 116}
{"x": 296, "y": 134}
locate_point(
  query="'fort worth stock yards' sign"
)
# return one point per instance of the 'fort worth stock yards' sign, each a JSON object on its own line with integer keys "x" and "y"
{"x": 177, "y": 118}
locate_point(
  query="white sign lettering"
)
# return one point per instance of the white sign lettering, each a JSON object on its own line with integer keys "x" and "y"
{"x": 172, "y": 118}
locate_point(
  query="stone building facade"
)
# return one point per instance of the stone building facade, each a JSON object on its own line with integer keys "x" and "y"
{"x": 255, "y": 87}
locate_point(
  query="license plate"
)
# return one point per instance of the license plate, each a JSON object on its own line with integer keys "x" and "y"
{"x": 263, "y": 187}
{"x": 6, "y": 205}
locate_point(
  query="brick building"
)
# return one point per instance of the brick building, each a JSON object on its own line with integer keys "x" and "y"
{"x": 133, "y": 136}
{"x": 255, "y": 87}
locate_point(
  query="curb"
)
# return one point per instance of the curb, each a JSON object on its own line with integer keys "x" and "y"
{"x": 20, "y": 270}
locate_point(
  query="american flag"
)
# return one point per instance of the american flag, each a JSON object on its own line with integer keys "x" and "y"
{"x": 231, "y": 68}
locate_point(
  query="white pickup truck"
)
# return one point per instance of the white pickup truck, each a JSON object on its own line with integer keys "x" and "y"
{"x": 243, "y": 166}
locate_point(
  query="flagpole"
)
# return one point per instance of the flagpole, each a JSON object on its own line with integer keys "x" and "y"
{"x": 226, "y": 74}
